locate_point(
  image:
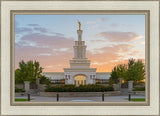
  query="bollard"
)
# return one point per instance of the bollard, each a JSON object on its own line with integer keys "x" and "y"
{"x": 57, "y": 97}
{"x": 129, "y": 97}
{"x": 29, "y": 97}
{"x": 102, "y": 96}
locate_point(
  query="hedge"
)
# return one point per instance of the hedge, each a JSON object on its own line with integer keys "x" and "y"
{"x": 19, "y": 90}
{"x": 81, "y": 88}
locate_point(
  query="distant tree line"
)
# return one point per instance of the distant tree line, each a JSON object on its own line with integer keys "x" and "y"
{"x": 133, "y": 71}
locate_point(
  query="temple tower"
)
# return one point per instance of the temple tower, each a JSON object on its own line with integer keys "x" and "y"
{"x": 79, "y": 64}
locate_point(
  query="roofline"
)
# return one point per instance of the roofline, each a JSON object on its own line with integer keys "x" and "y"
{"x": 52, "y": 72}
{"x": 103, "y": 72}
{"x": 63, "y": 72}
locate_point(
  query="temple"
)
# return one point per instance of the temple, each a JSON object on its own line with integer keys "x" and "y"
{"x": 79, "y": 72}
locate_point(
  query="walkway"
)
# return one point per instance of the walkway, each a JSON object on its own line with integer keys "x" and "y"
{"x": 79, "y": 99}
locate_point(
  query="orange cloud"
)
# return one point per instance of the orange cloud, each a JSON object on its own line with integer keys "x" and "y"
{"x": 119, "y": 36}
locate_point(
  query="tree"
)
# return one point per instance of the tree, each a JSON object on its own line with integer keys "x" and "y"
{"x": 118, "y": 72}
{"x": 18, "y": 78}
{"x": 28, "y": 71}
{"x": 121, "y": 70}
{"x": 45, "y": 80}
{"x": 135, "y": 71}
{"x": 114, "y": 76}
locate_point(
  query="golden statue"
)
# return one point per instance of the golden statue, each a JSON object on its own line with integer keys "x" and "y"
{"x": 79, "y": 25}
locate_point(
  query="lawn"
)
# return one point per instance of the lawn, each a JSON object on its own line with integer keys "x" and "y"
{"x": 21, "y": 99}
{"x": 136, "y": 99}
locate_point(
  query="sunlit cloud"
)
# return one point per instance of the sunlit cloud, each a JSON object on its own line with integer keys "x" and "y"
{"x": 45, "y": 54}
{"x": 119, "y": 36}
{"x": 143, "y": 42}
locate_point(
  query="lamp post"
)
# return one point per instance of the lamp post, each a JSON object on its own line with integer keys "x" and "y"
{"x": 103, "y": 96}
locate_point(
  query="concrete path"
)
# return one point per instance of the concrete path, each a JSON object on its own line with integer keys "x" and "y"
{"x": 81, "y": 99}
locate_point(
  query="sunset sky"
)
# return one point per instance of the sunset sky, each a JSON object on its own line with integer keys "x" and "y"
{"x": 49, "y": 39}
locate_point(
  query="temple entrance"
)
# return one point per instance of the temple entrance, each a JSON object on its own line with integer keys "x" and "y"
{"x": 80, "y": 80}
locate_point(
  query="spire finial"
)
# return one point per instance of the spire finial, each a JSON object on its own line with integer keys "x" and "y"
{"x": 79, "y": 25}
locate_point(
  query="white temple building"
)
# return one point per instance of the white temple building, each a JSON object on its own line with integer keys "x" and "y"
{"x": 79, "y": 72}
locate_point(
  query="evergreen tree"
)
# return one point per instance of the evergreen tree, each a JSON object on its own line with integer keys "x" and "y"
{"x": 114, "y": 76}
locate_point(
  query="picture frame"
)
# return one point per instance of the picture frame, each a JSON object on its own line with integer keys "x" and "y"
{"x": 149, "y": 8}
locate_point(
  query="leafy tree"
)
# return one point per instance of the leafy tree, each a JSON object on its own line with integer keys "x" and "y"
{"x": 121, "y": 70}
{"x": 118, "y": 72}
{"x": 44, "y": 80}
{"x": 28, "y": 71}
{"x": 136, "y": 71}
{"x": 18, "y": 78}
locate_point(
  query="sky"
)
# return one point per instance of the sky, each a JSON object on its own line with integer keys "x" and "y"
{"x": 49, "y": 39}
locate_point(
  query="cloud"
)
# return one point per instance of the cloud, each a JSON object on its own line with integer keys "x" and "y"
{"x": 20, "y": 30}
{"x": 54, "y": 59}
{"x": 98, "y": 20}
{"x": 98, "y": 40}
{"x": 91, "y": 22}
{"x": 143, "y": 42}
{"x": 114, "y": 25}
{"x": 34, "y": 28}
{"x": 31, "y": 29}
{"x": 119, "y": 36}
{"x": 45, "y": 54}
{"x": 47, "y": 49}
{"x": 41, "y": 29}
{"x": 109, "y": 57}
{"x": 47, "y": 40}
{"x": 103, "y": 19}
{"x": 33, "y": 25}
{"x": 57, "y": 34}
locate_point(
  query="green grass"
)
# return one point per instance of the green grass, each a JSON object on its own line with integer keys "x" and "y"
{"x": 136, "y": 99}
{"x": 21, "y": 99}
{"x": 139, "y": 89}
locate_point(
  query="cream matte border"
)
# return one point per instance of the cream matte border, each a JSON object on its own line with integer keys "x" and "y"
{"x": 93, "y": 110}
{"x": 72, "y": 12}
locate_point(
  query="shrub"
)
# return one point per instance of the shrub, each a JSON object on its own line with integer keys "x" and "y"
{"x": 19, "y": 90}
{"x": 81, "y": 88}
{"x": 139, "y": 89}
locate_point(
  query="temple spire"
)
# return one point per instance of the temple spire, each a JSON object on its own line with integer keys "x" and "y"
{"x": 79, "y": 32}
{"x": 79, "y": 25}
{"x": 80, "y": 47}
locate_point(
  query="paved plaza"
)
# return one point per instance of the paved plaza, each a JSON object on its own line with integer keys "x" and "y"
{"x": 82, "y": 99}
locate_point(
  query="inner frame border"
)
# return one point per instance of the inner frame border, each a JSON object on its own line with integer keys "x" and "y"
{"x": 81, "y": 12}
